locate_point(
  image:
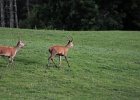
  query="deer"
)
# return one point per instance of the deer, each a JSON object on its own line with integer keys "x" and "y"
{"x": 60, "y": 51}
{"x": 10, "y": 52}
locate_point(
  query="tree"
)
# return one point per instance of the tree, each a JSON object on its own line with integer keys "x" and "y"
{"x": 16, "y": 17}
{"x": 2, "y": 13}
{"x": 11, "y": 14}
{"x": 109, "y": 16}
{"x": 71, "y": 14}
{"x": 131, "y": 14}
{"x": 28, "y": 8}
{"x": 124, "y": 15}
{"x": 67, "y": 15}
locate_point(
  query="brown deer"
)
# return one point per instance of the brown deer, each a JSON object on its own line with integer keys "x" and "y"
{"x": 60, "y": 51}
{"x": 10, "y": 52}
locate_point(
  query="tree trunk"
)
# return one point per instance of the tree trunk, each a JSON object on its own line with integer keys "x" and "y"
{"x": 16, "y": 17}
{"x": 11, "y": 14}
{"x": 28, "y": 8}
{"x": 2, "y": 13}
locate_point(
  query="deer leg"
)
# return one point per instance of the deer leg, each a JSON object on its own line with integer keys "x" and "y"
{"x": 9, "y": 61}
{"x": 12, "y": 61}
{"x": 51, "y": 58}
{"x": 59, "y": 61}
{"x": 54, "y": 62}
{"x": 8, "y": 64}
{"x": 67, "y": 60}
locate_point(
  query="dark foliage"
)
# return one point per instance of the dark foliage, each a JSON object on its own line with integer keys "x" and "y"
{"x": 80, "y": 14}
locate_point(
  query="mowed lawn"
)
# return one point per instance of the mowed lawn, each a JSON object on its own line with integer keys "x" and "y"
{"x": 105, "y": 65}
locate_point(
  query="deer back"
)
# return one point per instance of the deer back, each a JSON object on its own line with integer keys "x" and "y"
{"x": 7, "y": 51}
{"x": 62, "y": 50}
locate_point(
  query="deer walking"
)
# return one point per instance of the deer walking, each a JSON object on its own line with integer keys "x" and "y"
{"x": 10, "y": 52}
{"x": 60, "y": 51}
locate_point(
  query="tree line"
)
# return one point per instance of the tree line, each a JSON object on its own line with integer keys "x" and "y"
{"x": 71, "y": 14}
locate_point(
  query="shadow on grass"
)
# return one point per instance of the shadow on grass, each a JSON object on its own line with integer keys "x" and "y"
{"x": 2, "y": 65}
{"x": 4, "y": 61}
{"x": 27, "y": 61}
{"x": 19, "y": 60}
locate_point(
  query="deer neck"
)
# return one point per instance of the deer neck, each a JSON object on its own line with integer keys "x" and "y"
{"x": 67, "y": 46}
{"x": 17, "y": 47}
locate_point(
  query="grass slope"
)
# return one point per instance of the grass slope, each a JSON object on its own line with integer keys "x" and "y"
{"x": 105, "y": 65}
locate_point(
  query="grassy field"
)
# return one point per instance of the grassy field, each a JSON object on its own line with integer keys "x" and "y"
{"x": 105, "y": 65}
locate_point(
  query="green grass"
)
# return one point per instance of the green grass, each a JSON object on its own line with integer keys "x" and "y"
{"x": 105, "y": 65}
